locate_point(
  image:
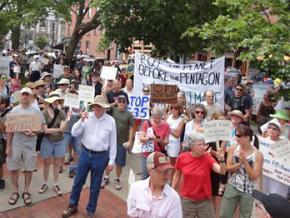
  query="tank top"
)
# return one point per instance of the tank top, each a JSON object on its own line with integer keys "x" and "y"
{"x": 240, "y": 179}
{"x": 173, "y": 124}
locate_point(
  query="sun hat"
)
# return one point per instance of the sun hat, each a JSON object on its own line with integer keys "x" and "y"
{"x": 275, "y": 205}
{"x": 101, "y": 101}
{"x": 237, "y": 113}
{"x": 281, "y": 114}
{"x": 26, "y": 90}
{"x": 45, "y": 74}
{"x": 38, "y": 83}
{"x": 157, "y": 160}
{"x": 275, "y": 122}
{"x": 63, "y": 81}
{"x": 53, "y": 96}
{"x": 30, "y": 85}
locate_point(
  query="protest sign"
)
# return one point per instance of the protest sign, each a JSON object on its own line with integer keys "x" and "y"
{"x": 193, "y": 79}
{"x": 71, "y": 100}
{"x": 44, "y": 60}
{"x": 16, "y": 69}
{"x": 137, "y": 144}
{"x": 272, "y": 167}
{"x": 86, "y": 93}
{"x": 109, "y": 73}
{"x": 217, "y": 130}
{"x": 22, "y": 122}
{"x": 57, "y": 70}
{"x": 281, "y": 150}
{"x": 4, "y": 65}
{"x": 139, "y": 106}
{"x": 161, "y": 93}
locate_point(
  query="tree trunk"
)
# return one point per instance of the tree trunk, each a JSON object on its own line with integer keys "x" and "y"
{"x": 15, "y": 37}
{"x": 75, "y": 38}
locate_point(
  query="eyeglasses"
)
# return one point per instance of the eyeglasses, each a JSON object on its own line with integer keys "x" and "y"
{"x": 239, "y": 89}
{"x": 273, "y": 128}
{"x": 122, "y": 101}
{"x": 199, "y": 112}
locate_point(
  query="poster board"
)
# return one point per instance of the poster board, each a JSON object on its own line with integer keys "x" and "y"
{"x": 108, "y": 73}
{"x": 139, "y": 106}
{"x": 86, "y": 93}
{"x": 217, "y": 130}
{"x": 57, "y": 70}
{"x": 281, "y": 150}
{"x": 162, "y": 93}
{"x": 71, "y": 100}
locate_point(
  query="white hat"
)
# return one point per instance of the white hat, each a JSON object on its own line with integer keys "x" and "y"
{"x": 275, "y": 122}
{"x": 45, "y": 74}
{"x": 237, "y": 113}
{"x": 54, "y": 96}
{"x": 101, "y": 101}
{"x": 63, "y": 81}
{"x": 26, "y": 90}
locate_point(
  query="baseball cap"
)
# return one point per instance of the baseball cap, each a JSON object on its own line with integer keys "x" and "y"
{"x": 275, "y": 122}
{"x": 158, "y": 161}
{"x": 26, "y": 90}
{"x": 276, "y": 205}
{"x": 121, "y": 97}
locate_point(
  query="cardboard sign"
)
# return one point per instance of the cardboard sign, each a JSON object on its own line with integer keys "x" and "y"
{"x": 217, "y": 130}
{"x": 44, "y": 60}
{"x": 16, "y": 69}
{"x": 108, "y": 73}
{"x": 86, "y": 93}
{"x": 281, "y": 150}
{"x": 273, "y": 167}
{"x": 57, "y": 70}
{"x": 22, "y": 122}
{"x": 139, "y": 106}
{"x": 71, "y": 100}
{"x": 166, "y": 94}
{"x": 4, "y": 65}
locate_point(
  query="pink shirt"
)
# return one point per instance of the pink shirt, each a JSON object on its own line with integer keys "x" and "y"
{"x": 142, "y": 204}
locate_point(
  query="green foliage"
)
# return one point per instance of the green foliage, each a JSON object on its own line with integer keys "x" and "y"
{"x": 41, "y": 41}
{"x": 160, "y": 22}
{"x": 259, "y": 27}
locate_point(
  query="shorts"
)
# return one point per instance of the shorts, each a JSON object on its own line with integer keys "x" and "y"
{"x": 121, "y": 156}
{"x": 201, "y": 208}
{"x": 52, "y": 149}
{"x": 22, "y": 159}
{"x": 74, "y": 141}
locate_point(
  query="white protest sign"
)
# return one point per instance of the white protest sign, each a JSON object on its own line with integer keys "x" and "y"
{"x": 281, "y": 150}
{"x": 139, "y": 106}
{"x": 272, "y": 167}
{"x": 108, "y": 73}
{"x": 86, "y": 93}
{"x": 193, "y": 79}
{"x": 71, "y": 100}
{"x": 4, "y": 65}
{"x": 217, "y": 130}
{"x": 137, "y": 144}
{"x": 57, "y": 70}
{"x": 44, "y": 60}
{"x": 16, "y": 69}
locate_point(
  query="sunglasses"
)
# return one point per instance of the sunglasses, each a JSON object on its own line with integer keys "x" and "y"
{"x": 238, "y": 135}
{"x": 122, "y": 101}
{"x": 273, "y": 128}
{"x": 146, "y": 91}
{"x": 199, "y": 112}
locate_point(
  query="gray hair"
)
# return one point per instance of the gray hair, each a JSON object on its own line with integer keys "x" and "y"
{"x": 156, "y": 111}
{"x": 193, "y": 138}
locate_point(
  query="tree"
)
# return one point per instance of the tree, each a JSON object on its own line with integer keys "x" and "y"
{"x": 41, "y": 41}
{"x": 162, "y": 23}
{"x": 259, "y": 27}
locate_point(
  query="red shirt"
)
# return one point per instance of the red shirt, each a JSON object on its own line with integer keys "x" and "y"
{"x": 162, "y": 130}
{"x": 196, "y": 175}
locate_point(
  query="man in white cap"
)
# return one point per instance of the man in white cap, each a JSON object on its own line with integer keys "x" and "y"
{"x": 34, "y": 69}
{"x": 99, "y": 138}
{"x": 21, "y": 149}
{"x": 153, "y": 197}
{"x": 63, "y": 85}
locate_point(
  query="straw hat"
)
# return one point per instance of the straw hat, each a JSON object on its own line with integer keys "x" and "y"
{"x": 30, "y": 85}
{"x": 237, "y": 113}
{"x": 101, "y": 101}
{"x": 45, "y": 74}
{"x": 53, "y": 96}
{"x": 38, "y": 83}
{"x": 281, "y": 114}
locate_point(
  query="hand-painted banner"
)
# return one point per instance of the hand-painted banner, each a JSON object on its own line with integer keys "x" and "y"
{"x": 194, "y": 79}
{"x": 166, "y": 94}
{"x": 139, "y": 106}
{"x": 20, "y": 123}
{"x": 57, "y": 70}
{"x": 86, "y": 93}
{"x": 71, "y": 100}
{"x": 273, "y": 167}
{"x": 216, "y": 130}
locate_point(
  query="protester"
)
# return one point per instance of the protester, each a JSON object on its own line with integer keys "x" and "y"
{"x": 12, "y": 64}
{"x": 98, "y": 152}
{"x": 15, "y": 83}
{"x": 96, "y": 82}
{"x": 266, "y": 108}
{"x": 21, "y": 149}
{"x": 153, "y": 197}
{"x": 124, "y": 122}
{"x": 4, "y": 89}
{"x": 244, "y": 164}
{"x": 155, "y": 136}
{"x": 195, "y": 167}
{"x": 34, "y": 69}
{"x": 115, "y": 92}
{"x": 210, "y": 105}
{"x": 4, "y": 109}
{"x": 128, "y": 87}
{"x": 283, "y": 117}
{"x": 52, "y": 144}
{"x": 63, "y": 85}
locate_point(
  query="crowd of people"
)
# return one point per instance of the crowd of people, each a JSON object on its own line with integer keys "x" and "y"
{"x": 182, "y": 175}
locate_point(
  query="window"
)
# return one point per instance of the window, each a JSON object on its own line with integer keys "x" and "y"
{"x": 87, "y": 44}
